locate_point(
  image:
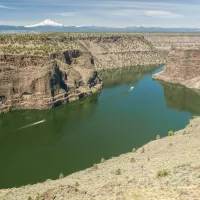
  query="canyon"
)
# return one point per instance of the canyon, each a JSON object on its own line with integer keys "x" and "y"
{"x": 46, "y": 70}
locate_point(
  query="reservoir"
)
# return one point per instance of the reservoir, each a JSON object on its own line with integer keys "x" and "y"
{"x": 39, "y": 145}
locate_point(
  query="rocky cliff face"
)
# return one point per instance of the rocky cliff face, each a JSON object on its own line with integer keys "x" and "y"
{"x": 34, "y": 82}
{"x": 116, "y": 52}
{"x": 183, "y": 66}
{"x": 44, "y": 71}
{"x": 164, "y": 41}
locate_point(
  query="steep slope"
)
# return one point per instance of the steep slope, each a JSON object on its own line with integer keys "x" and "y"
{"x": 163, "y": 169}
{"x": 34, "y": 82}
{"x": 183, "y": 66}
{"x": 164, "y": 41}
{"x": 116, "y": 52}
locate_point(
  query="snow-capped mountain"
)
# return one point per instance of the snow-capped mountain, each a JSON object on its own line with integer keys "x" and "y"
{"x": 51, "y": 26}
{"x": 46, "y": 22}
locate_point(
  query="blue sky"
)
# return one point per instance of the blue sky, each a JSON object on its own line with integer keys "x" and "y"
{"x": 109, "y": 13}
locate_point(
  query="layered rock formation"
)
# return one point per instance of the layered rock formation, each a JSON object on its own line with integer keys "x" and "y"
{"x": 34, "y": 82}
{"x": 124, "y": 51}
{"x": 164, "y": 41}
{"x": 44, "y": 71}
{"x": 183, "y": 66}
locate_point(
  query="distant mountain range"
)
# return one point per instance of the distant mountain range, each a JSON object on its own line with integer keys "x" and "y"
{"x": 51, "y": 26}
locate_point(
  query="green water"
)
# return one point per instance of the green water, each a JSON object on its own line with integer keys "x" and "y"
{"x": 75, "y": 136}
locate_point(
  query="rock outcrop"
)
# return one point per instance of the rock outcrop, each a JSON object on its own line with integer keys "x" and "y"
{"x": 126, "y": 51}
{"x": 164, "y": 41}
{"x": 44, "y": 71}
{"x": 183, "y": 66}
{"x": 34, "y": 82}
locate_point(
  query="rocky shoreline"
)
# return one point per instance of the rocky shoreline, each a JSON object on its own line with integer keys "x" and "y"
{"x": 182, "y": 67}
{"x": 167, "y": 168}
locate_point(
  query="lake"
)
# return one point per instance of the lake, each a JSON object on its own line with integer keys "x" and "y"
{"x": 74, "y": 136}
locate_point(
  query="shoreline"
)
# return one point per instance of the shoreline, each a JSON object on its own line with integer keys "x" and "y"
{"x": 130, "y": 175}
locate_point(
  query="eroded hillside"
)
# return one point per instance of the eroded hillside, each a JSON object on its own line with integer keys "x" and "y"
{"x": 183, "y": 66}
{"x": 164, "y": 41}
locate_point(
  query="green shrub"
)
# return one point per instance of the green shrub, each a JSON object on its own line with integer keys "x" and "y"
{"x": 170, "y": 133}
{"x": 133, "y": 160}
{"x": 134, "y": 150}
{"x": 163, "y": 173}
{"x": 118, "y": 172}
{"x": 76, "y": 184}
{"x": 95, "y": 166}
{"x": 158, "y": 137}
{"x": 61, "y": 176}
{"x": 194, "y": 117}
{"x": 37, "y": 197}
{"x": 143, "y": 150}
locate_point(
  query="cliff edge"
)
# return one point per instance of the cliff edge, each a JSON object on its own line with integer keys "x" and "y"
{"x": 42, "y": 71}
{"x": 183, "y": 67}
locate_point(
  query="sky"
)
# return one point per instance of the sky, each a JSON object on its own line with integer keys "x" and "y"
{"x": 107, "y": 13}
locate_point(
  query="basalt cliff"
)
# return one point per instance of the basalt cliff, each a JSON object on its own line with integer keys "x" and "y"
{"x": 183, "y": 67}
{"x": 46, "y": 70}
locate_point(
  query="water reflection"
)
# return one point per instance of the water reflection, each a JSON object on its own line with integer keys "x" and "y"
{"x": 129, "y": 75}
{"x": 35, "y": 153}
{"x": 51, "y": 129}
{"x": 181, "y": 98}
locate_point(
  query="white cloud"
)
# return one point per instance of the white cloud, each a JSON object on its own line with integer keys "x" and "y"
{"x": 162, "y": 14}
{"x": 139, "y": 13}
{"x": 5, "y": 7}
{"x": 66, "y": 14}
{"x": 125, "y": 13}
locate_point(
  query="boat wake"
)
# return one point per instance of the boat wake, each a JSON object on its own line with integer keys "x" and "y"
{"x": 33, "y": 124}
{"x": 118, "y": 95}
{"x": 131, "y": 88}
